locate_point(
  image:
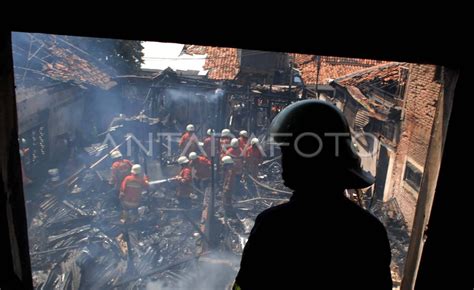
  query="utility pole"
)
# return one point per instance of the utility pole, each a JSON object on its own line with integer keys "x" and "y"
{"x": 291, "y": 76}
{"x": 318, "y": 67}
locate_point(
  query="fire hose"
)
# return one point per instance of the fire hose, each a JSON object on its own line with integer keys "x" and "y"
{"x": 160, "y": 181}
{"x": 268, "y": 187}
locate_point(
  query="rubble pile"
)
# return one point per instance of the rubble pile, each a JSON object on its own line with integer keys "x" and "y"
{"x": 391, "y": 216}
{"x": 78, "y": 242}
{"x": 260, "y": 194}
{"x": 77, "y": 238}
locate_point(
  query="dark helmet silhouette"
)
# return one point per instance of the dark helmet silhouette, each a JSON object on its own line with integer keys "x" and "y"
{"x": 316, "y": 135}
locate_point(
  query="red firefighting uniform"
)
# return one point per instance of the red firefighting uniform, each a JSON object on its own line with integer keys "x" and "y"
{"x": 208, "y": 147}
{"x": 187, "y": 140}
{"x": 238, "y": 159}
{"x": 229, "y": 184}
{"x": 202, "y": 167}
{"x": 225, "y": 144}
{"x": 243, "y": 142}
{"x": 184, "y": 182}
{"x": 131, "y": 190}
{"x": 120, "y": 169}
{"x": 253, "y": 157}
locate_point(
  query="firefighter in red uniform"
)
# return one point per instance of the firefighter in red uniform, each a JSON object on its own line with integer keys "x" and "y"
{"x": 130, "y": 193}
{"x": 23, "y": 152}
{"x": 188, "y": 142}
{"x": 243, "y": 140}
{"x": 120, "y": 169}
{"x": 201, "y": 167}
{"x": 210, "y": 147}
{"x": 229, "y": 182}
{"x": 184, "y": 179}
{"x": 253, "y": 158}
{"x": 226, "y": 137}
{"x": 224, "y": 144}
{"x": 238, "y": 160}
{"x": 237, "y": 156}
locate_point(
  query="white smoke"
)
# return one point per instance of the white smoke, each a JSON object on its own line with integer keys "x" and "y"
{"x": 215, "y": 271}
{"x": 195, "y": 96}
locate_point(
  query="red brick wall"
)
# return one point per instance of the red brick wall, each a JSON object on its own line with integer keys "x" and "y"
{"x": 331, "y": 67}
{"x": 223, "y": 63}
{"x": 421, "y": 96}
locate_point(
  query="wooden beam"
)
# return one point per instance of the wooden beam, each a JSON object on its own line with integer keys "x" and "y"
{"x": 14, "y": 233}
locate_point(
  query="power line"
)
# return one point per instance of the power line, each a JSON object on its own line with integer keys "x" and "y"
{"x": 175, "y": 58}
{"x": 207, "y": 57}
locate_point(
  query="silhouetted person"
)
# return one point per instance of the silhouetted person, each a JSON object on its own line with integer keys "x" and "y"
{"x": 319, "y": 239}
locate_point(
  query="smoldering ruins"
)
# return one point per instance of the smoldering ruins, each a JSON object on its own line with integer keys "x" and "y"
{"x": 76, "y": 110}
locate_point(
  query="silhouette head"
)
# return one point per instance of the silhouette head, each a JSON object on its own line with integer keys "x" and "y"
{"x": 317, "y": 148}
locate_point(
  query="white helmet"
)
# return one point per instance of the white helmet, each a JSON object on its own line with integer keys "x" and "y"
{"x": 183, "y": 160}
{"x": 244, "y": 133}
{"x": 116, "y": 154}
{"x": 227, "y": 160}
{"x": 234, "y": 142}
{"x": 225, "y": 133}
{"x": 193, "y": 155}
{"x": 54, "y": 173}
{"x": 210, "y": 132}
{"x": 190, "y": 128}
{"x": 254, "y": 141}
{"x": 136, "y": 169}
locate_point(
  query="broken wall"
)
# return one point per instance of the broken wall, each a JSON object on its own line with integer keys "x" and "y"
{"x": 419, "y": 110}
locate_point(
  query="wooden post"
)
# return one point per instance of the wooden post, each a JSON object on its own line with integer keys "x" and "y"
{"x": 318, "y": 67}
{"x": 430, "y": 178}
{"x": 13, "y": 223}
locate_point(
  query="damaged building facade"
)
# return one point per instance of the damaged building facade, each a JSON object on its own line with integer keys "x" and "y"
{"x": 396, "y": 102}
{"x": 56, "y": 87}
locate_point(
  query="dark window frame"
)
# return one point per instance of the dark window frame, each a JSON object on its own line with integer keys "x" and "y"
{"x": 413, "y": 171}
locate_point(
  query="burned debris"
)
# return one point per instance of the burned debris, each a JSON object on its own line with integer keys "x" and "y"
{"x": 76, "y": 238}
{"x": 79, "y": 238}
